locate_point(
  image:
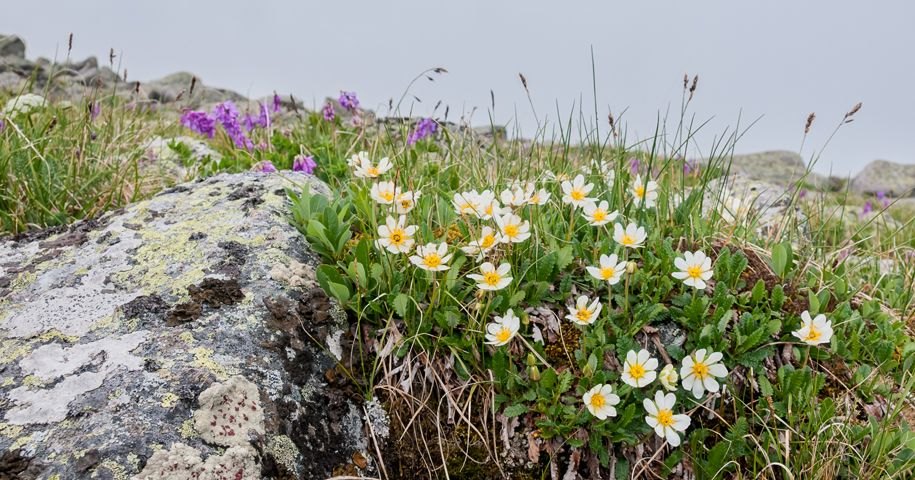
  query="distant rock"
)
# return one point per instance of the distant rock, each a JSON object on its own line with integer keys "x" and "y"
{"x": 778, "y": 167}
{"x": 893, "y": 179}
{"x": 185, "y": 327}
{"x": 11, "y": 46}
{"x": 177, "y": 86}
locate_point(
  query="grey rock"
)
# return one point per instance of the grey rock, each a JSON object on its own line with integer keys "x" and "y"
{"x": 893, "y": 179}
{"x": 11, "y": 46}
{"x": 119, "y": 336}
{"x": 177, "y": 86}
{"x": 777, "y": 167}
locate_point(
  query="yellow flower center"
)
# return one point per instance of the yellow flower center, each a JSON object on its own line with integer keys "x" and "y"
{"x": 598, "y": 400}
{"x": 397, "y": 236}
{"x": 467, "y": 208}
{"x": 388, "y": 196}
{"x": 405, "y": 204}
{"x": 694, "y": 271}
{"x": 491, "y": 278}
{"x": 535, "y": 199}
{"x": 666, "y": 417}
{"x": 700, "y": 370}
{"x": 432, "y": 260}
{"x": 504, "y": 335}
{"x": 577, "y": 195}
{"x": 583, "y": 314}
{"x": 636, "y": 371}
{"x": 627, "y": 240}
{"x": 510, "y": 231}
{"x": 489, "y": 209}
{"x": 639, "y": 191}
{"x": 372, "y": 171}
{"x": 488, "y": 241}
{"x": 599, "y": 215}
{"x": 813, "y": 335}
{"x": 607, "y": 273}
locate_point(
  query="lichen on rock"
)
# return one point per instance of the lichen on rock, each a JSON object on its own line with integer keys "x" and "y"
{"x": 228, "y": 412}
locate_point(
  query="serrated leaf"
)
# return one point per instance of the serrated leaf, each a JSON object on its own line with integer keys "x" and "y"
{"x": 515, "y": 410}
{"x": 401, "y": 303}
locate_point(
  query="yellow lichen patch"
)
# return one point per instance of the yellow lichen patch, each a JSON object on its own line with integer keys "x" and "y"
{"x": 54, "y": 334}
{"x": 169, "y": 400}
{"x": 187, "y": 337}
{"x": 32, "y": 381}
{"x": 118, "y": 472}
{"x": 108, "y": 322}
{"x": 20, "y": 442}
{"x": 115, "y": 394}
{"x": 187, "y": 429}
{"x": 284, "y": 451}
{"x": 23, "y": 280}
{"x": 12, "y": 350}
{"x": 7, "y": 382}
{"x": 56, "y": 476}
{"x": 10, "y": 431}
{"x": 203, "y": 358}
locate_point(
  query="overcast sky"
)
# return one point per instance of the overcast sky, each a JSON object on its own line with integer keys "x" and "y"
{"x": 775, "y": 59}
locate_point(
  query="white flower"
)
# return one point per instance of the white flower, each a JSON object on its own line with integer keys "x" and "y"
{"x": 512, "y": 229}
{"x": 733, "y": 208}
{"x": 600, "y": 401}
{"x": 607, "y": 170}
{"x": 630, "y": 237}
{"x": 518, "y": 195}
{"x": 432, "y": 257}
{"x": 814, "y": 331}
{"x": 503, "y": 329}
{"x": 394, "y": 236}
{"x": 610, "y": 270}
{"x": 492, "y": 278}
{"x": 540, "y": 197}
{"x": 583, "y": 313}
{"x": 576, "y": 192}
{"x": 559, "y": 177}
{"x": 695, "y": 269}
{"x": 698, "y": 372}
{"x": 669, "y": 377}
{"x": 639, "y": 369}
{"x": 644, "y": 193}
{"x": 598, "y": 214}
{"x": 358, "y": 159}
{"x": 662, "y": 419}
{"x": 487, "y": 241}
{"x": 24, "y": 104}
{"x": 367, "y": 169}
{"x": 406, "y": 201}
{"x": 487, "y": 206}
{"x": 384, "y": 192}
{"x": 465, "y": 202}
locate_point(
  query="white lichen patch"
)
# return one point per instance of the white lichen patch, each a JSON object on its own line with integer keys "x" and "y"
{"x": 294, "y": 274}
{"x": 284, "y": 451}
{"x": 228, "y": 411}
{"x": 50, "y": 362}
{"x": 333, "y": 344}
{"x": 377, "y": 417}
{"x": 180, "y": 462}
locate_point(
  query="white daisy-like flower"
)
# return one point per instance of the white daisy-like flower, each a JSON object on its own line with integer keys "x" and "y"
{"x": 639, "y": 369}
{"x": 695, "y": 269}
{"x": 598, "y": 214}
{"x": 395, "y": 236}
{"x": 465, "y": 203}
{"x": 518, "y": 195}
{"x": 358, "y": 159}
{"x": 540, "y": 197}
{"x": 601, "y": 401}
{"x": 668, "y": 377}
{"x": 432, "y": 257}
{"x": 367, "y": 169}
{"x": 814, "y": 331}
{"x": 487, "y": 205}
{"x": 480, "y": 247}
{"x": 503, "y": 329}
{"x": 492, "y": 278}
{"x": 406, "y": 201}
{"x": 512, "y": 229}
{"x": 610, "y": 269}
{"x": 584, "y": 313}
{"x": 644, "y": 193}
{"x": 384, "y": 192}
{"x": 698, "y": 372}
{"x": 631, "y": 237}
{"x": 576, "y": 192}
{"x": 662, "y": 419}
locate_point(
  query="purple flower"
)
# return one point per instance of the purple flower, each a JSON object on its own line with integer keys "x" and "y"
{"x": 423, "y": 129}
{"x": 262, "y": 120}
{"x": 304, "y": 163}
{"x": 266, "y": 167}
{"x": 94, "y": 110}
{"x": 227, "y": 115}
{"x": 277, "y": 103}
{"x": 690, "y": 166}
{"x": 199, "y": 122}
{"x": 802, "y": 194}
{"x": 328, "y": 112}
{"x": 2, "y": 125}
{"x": 868, "y": 208}
{"x": 881, "y": 195}
{"x": 634, "y": 165}
{"x": 348, "y": 101}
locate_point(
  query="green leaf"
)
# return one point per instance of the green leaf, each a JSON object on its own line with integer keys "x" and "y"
{"x": 515, "y": 410}
{"x": 339, "y": 291}
{"x": 779, "y": 260}
{"x": 401, "y": 302}
{"x": 564, "y": 257}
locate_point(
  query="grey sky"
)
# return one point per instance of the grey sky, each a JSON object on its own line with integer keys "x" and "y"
{"x": 777, "y": 58}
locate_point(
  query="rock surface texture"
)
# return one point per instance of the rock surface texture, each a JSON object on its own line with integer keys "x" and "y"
{"x": 892, "y": 179}
{"x": 776, "y": 167}
{"x": 164, "y": 341}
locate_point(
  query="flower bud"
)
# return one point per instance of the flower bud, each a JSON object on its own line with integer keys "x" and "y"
{"x": 669, "y": 377}
{"x": 534, "y": 373}
{"x": 631, "y": 267}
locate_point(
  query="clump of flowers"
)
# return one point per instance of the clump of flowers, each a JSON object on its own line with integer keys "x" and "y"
{"x": 423, "y": 129}
{"x": 328, "y": 112}
{"x": 227, "y": 116}
{"x": 348, "y": 101}
{"x": 199, "y": 122}
{"x": 305, "y": 164}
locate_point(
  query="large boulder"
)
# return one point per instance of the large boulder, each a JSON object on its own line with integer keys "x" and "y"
{"x": 776, "y": 167}
{"x": 11, "y": 46}
{"x": 893, "y": 179}
{"x": 181, "y": 337}
{"x": 177, "y": 86}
